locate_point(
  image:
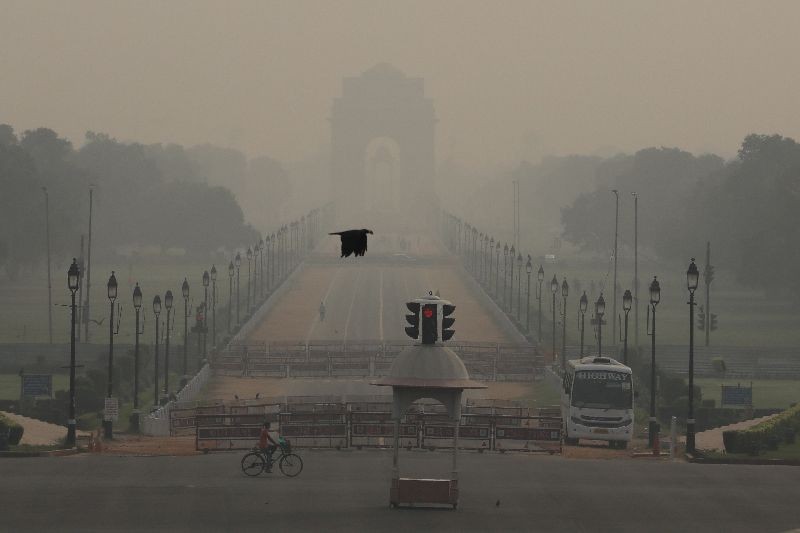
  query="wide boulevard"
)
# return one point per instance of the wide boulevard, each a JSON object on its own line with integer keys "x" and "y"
{"x": 348, "y": 491}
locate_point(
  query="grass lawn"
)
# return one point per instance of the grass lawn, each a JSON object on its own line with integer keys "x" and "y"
{"x": 23, "y": 315}
{"x": 10, "y": 383}
{"x": 767, "y": 393}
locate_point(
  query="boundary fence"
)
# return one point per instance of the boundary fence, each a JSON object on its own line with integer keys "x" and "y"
{"x": 484, "y": 361}
{"x": 316, "y": 422}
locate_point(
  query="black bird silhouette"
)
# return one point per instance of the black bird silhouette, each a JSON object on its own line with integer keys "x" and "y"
{"x": 354, "y": 241}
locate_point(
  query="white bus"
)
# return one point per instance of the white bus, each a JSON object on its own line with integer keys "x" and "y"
{"x": 597, "y": 401}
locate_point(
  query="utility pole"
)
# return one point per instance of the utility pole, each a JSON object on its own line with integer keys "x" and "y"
{"x": 708, "y": 277}
{"x": 636, "y": 270}
{"x": 616, "y": 235}
{"x": 86, "y": 308}
{"x": 49, "y": 274}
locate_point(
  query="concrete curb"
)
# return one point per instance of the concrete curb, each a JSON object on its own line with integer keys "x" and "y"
{"x": 43, "y": 453}
{"x": 700, "y": 459}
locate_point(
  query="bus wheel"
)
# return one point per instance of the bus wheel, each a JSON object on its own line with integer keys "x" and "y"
{"x": 569, "y": 441}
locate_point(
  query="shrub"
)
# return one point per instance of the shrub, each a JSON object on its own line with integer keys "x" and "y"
{"x": 765, "y": 435}
{"x": 12, "y": 430}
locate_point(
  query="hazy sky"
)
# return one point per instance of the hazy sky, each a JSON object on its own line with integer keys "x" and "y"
{"x": 508, "y": 79}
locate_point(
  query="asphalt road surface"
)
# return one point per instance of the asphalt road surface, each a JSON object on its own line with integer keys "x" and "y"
{"x": 348, "y": 491}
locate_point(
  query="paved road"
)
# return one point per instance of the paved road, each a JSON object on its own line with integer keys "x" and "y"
{"x": 348, "y": 491}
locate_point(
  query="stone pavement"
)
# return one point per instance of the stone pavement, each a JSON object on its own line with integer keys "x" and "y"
{"x": 38, "y": 432}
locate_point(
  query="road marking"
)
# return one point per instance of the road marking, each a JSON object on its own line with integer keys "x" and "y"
{"x": 352, "y": 302}
{"x": 380, "y": 308}
{"x": 315, "y": 318}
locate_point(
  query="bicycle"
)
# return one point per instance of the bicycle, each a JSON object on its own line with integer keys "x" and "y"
{"x": 255, "y": 461}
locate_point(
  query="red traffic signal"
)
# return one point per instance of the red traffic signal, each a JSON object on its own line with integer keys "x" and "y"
{"x": 429, "y": 327}
{"x": 428, "y": 312}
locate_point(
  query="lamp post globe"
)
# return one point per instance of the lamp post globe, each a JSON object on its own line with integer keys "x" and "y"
{"x": 73, "y": 276}
{"x": 112, "y": 287}
{"x": 655, "y": 298}
{"x": 692, "y": 278}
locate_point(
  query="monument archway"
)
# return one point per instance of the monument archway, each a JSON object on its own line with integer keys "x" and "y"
{"x": 382, "y": 151}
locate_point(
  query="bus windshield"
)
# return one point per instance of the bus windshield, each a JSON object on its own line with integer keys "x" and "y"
{"x": 602, "y": 389}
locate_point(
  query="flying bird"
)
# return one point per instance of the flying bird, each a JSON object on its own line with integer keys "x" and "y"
{"x": 354, "y": 241}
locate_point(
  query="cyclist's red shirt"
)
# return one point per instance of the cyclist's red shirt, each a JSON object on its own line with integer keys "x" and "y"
{"x": 263, "y": 440}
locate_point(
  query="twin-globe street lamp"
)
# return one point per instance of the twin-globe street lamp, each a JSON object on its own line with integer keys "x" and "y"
{"x": 73, "y": 280}
{"x": 112, "y": 296}
{"x": 206, "y": 280}
{"x": 655, "y": 297}
{"x": 692, "y": 278}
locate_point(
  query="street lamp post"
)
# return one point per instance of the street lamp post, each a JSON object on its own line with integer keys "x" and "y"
{"x": 112, "y": 296}
{"x": 49, "y": 269}
{"x": 214, "y": 305}
{"x": 692, "y": 278}
{"x": 497, "y": 273}
{"x": 168, "y": 299}
{"x": 490, "y": 257}
{"x": 627, "y": 301}
{"x": 505, "y": 272}
{"x": 528, "y": 270}
{"x": 512, "y": 253}
{"x": 554, "y": 290}
{"x": 584, "y": 304}
{"x": 137, "y": 307}
{"x": 156, "y": 313}
{"x": 655, "y": 297}
{"x": 206, "y": 279}
{"x": 599, "y": 311}
{"x": 261, "y": 258}
{"x": 238, "y": 262}
{"x": 73, "y": 279}
{"x": 249, "y": 260}
{"x": 519, "y": 287}
{"x": 564, "y": 293}
{"x": 540, "y": 278}
{"x": 230, "y": 294}
{"x": 185, "y": 293}
{"x": 479, "y": 258}
{"x": 269, "y": 270}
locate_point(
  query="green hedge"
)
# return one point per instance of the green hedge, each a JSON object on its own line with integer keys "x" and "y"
{"x": 11, "y": 429}
{"x": 764, "y": 436}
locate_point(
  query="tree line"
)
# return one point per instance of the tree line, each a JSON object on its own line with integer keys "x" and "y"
{"x": 163, "y": 195}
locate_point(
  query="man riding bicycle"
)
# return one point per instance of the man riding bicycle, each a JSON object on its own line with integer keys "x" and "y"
{"x": 267, "y": 444}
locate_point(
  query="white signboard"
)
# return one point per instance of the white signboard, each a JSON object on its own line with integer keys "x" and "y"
{"x": 112, "y": 410}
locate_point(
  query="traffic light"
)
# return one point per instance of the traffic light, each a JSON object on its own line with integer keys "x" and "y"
{"x": 413, "y": 319}
{"x": 713, "y": 324}
{"x": 701, "y": 319}
{"x": 429, "y": 329}
{"x": 447, "y": 322}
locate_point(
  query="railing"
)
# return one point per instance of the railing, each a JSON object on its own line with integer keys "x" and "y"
{"x": 157, "y": 423}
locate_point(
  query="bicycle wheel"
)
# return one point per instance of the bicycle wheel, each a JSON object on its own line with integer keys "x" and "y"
{"x": 291, "y": 465}
{"x": 253, "y": 464}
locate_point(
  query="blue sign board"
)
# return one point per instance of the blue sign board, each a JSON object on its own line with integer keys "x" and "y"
{"x": 737, "y": 395}
{"x": 37, "y": 385}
